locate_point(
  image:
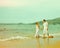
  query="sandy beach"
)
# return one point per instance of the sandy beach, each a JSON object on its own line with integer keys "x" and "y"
{"x": 31, "y": 43}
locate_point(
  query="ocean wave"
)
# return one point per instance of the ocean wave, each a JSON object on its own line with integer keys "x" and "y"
{"x": 22, "y": 37}
{"x": 15, "y": 37}
{"x": 55, "y": 34}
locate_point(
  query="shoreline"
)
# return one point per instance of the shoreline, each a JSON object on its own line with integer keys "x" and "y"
{"x": 31, "y": 43}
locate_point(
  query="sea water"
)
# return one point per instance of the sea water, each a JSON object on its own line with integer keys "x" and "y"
{"x": 24, "y": 30}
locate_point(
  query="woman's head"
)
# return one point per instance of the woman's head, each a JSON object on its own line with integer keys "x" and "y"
{"x": 36, "y": 22}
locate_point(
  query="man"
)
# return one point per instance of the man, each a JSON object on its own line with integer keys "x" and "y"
{"x": 45, "y": 28}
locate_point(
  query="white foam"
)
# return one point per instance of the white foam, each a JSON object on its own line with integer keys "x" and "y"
{"x": 12, "y": 38}
{"x": 22, "y": 37}
{"x": 55, "y": 34}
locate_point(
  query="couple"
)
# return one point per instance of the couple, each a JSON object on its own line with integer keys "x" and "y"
{"x": 45, "y": 29}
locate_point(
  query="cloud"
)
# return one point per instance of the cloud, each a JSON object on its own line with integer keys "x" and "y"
{"x": 14, "y": 3}
{"x": 11, "y": 3}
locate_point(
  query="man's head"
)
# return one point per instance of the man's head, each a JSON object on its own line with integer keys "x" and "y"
{"x": 44, "y": 20}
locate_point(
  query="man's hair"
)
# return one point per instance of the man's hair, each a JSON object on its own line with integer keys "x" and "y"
{"x": 44, "y": 20}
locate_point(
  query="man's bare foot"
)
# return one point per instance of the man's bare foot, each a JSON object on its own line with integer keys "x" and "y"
{"x": 50, "y": 37}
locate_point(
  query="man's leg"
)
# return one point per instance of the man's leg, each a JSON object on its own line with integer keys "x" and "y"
{"x": 47, "y": 33}
{"x": 43, "y": 33}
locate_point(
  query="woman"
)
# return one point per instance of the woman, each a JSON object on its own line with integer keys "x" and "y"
{"x": 37, "y": 29}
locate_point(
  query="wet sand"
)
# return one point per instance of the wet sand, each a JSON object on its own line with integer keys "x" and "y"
{"x": 31, "y": 43}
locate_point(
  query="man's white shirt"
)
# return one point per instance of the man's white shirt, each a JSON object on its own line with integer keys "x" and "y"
{"x": 45, "y": 24}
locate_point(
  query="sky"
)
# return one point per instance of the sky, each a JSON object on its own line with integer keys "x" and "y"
{"x": 28, "y": 11}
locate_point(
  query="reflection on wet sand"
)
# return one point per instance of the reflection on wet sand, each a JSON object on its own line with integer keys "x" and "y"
{"x": 45, "y": 42}
{"x": 38, "y": 43}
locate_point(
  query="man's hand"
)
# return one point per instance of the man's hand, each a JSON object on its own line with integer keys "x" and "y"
{"x": 47, "y": 29}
